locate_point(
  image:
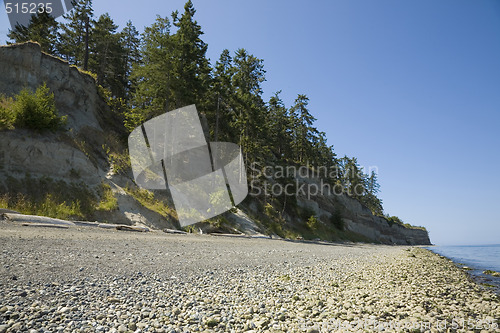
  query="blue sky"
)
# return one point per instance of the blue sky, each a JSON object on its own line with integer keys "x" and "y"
{"x": 411, "y": 87}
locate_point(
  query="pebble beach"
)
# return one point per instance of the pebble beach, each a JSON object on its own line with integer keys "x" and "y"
{"x": 84, "y": 279}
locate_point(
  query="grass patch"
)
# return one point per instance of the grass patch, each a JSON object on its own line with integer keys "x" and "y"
{"x": 46, "y": 197}
{"x": 148, "y": 200}
{"x": 108, "y": 201}
{"x": 120, "y": 162}
{"x": 82, "y": 71}
{"x": 48, "y": 206}
{"x": 118, "y": 157}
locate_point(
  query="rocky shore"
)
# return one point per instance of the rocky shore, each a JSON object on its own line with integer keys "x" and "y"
{"x": 85, "y": 279}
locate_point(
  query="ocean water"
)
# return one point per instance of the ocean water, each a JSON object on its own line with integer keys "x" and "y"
{"x": 477, "y": 257}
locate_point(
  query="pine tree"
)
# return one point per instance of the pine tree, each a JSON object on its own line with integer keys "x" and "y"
{"x": 42, "y": 29}
{"x": 153, "y": 93}
{"x": 108, "y": 56}
{"x": 353, "y": 179}
{"x": 75, "y": 37}
{"x": 190, "y": 65}
{"x": 131, "y": 43}
{"x": 304, "y": 131}
{"x": 281, "y": 132}
{"x": 249, "y": 106}
{"x": 220, "y": 112}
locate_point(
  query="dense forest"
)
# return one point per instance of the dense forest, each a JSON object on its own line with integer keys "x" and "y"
{"x": 146, "y": 74}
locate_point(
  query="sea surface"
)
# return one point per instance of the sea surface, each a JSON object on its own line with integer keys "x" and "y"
{"x": 477, "y": 257}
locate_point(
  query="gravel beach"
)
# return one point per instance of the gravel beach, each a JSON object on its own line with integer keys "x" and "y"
{"x": 87, "y": 279}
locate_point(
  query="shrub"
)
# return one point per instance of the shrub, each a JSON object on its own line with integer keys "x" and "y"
{"x": 270, "y": 211}
{"x": 36, "y": 111}
{"x": 7, "y": 115}
{"x": 312, "y": 222}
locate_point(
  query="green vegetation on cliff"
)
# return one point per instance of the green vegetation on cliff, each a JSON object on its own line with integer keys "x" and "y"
{"x": 31, "y": 110}
{"x": 166, "y": 67}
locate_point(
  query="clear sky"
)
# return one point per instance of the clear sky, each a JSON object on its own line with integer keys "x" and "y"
{"x": 411, "y": 87}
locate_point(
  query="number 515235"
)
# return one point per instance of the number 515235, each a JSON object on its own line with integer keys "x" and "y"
{"x": 28, "y": 7}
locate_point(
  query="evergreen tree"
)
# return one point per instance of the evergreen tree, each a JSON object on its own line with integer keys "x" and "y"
{"x": 75, "y": 37}
{"x": 322, "y": 154}
{"x": 153, "y": 76}
{"x": 42, "y": 29}
{"x": 108, "y": 56}
{"x": 249, "y": 106}
{"x": 372, "y": 185}
{"x": 303, "y": 130}
{"x": 190, "y": 65}
{"x": 370, "y": 198}
{"x": 280, "y": 135}
{"x": 353, "y": 178}
{"x": 220, "y": 112}
{"x": 131, "y": 44}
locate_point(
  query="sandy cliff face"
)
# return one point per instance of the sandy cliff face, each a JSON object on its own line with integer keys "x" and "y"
{"x": 77, "y": 155}
{"x": 22, "y": 153}
{"x": 359, "y": 219}
{"x": 25, "y": 152}
{"x": 24, "y": 65}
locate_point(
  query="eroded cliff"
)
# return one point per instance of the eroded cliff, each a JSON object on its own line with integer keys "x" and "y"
{"x": 80, "y": 155}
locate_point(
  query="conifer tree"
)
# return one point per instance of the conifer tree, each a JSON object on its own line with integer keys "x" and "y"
{"x": 280, "y": 135}
{"x": 303, "y": 130}
{"x": 42, "y": 29}
{"x": 108, "y": 56}
{"x": 220, "y": 111}
{"x": 75, "y": 37}
{"x": 249, "y": 106}
{"x": 190, "y": 65}
{"x": 131, "y": 44}
{"x": 153, "y": 76}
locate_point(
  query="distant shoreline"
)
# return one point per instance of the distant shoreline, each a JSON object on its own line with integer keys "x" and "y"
{"x": 472, "y": 267}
